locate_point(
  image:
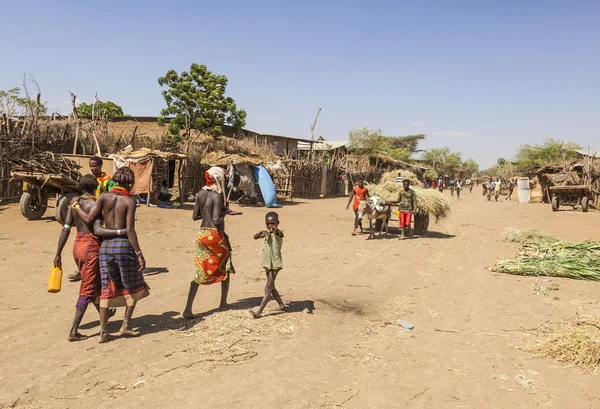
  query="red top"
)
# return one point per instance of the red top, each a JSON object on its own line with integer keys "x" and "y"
{"x": 359, "y": 194}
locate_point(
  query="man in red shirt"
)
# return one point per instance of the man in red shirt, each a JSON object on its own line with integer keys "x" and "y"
{"x": 360, "y": 192}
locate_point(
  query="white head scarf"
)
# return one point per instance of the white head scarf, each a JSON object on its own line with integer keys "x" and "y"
{"x": 215, "y": 180}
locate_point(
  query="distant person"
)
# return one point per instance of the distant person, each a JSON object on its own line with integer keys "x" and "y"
{"x": 163, "y": 192}
{"x": 121, "y": 259}
{"x": 511, "y": 188}
{"x": 399, "y": 178}
{"x": 452, "y": 182}
{"x": 489, "y": 188}
{"x": 497, "y": 187}
{"x": 469, "y": 183}
{"x": 407, "y": 204}
{"x": 433, "y": 184}
{"x": 458, "y": 187}
{"x": 440, "y": 184}
{"x": 105, "y": 184}
{"x": 271, "y": 260}
{"x": 360, "y": 192}
{"x": 340, "y": 185}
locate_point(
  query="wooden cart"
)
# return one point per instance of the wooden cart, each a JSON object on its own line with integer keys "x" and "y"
{"x": 420, "y": 224}
{"x": 41, "y": 187}
{"x": 578, "y": 195}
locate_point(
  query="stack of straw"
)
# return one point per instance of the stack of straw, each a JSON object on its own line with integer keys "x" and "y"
{"x": 428, "y": 200}
{"x": 406, "y": 174}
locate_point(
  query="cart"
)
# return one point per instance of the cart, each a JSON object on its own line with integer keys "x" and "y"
{"x": 39, "y": 187}
{"x": 420, "y": 224}
{"x": 570, "y": 195}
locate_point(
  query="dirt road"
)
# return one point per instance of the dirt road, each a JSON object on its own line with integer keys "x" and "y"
{"x": 334, "y": 348}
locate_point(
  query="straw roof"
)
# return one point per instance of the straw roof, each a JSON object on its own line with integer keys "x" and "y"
{"x": 220, "y": 158}
{"x": 143, "y": 153}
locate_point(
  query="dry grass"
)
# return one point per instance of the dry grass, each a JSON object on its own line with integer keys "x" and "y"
{"x": 234, "y": 336}
{"x": 576, "y": 345}
{"x": 521, "y": 236}
{"x": 428, "y": 200}
{"x": 390, "y": 177}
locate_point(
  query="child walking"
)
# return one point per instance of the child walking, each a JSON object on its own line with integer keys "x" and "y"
{"x": 271, "y": 260}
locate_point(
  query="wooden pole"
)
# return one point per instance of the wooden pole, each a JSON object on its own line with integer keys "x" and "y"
{"x": 150, "y": 182}
{"x": 312, "y": 133}
{"x": 94, "y": 126}
{"x": 76, "y": 118}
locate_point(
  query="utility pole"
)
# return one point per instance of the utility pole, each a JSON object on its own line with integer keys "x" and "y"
{"x": 312, "y": 131}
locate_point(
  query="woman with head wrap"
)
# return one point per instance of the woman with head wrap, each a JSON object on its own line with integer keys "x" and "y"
{"x": 213, "y": 252}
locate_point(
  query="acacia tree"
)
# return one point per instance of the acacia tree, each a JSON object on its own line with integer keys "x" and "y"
{"x": 447, "y": 163}
{"x": 106, "y": 109}
{"x": 532, "y": 155}
{"x": 196, "y": 101}
{"x": 368, "y": 141}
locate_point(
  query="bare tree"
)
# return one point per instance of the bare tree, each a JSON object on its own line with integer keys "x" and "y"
{"x": 33, "y": 107}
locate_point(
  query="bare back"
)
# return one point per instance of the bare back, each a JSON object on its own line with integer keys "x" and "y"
{"x": 80, "y": 224}
{"x": 209, "y": 207}
{"x": 115, "y": 210}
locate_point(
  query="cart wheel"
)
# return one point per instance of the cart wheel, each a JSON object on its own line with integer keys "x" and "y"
{"x": 584, "y": 204}
{"x": 421, "y": 224}
{"x": 555, "y": 204}
{"x": 62, "y": 207}
{"x": 30, "y": 205}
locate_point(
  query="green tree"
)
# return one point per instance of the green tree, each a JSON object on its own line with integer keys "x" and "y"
{"x": 196, "y": 101}
{"x": 469, "y": 168}
{"x": 103, "y": 109}
{"x": 409, "y": 142}
{"x": 368, "y": 141}
{"x": 501, "y": 161}
{"x": 444, "y": 161}
{"x": 551, "y": 150}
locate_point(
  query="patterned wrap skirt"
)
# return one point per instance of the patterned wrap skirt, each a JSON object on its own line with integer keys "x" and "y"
{"x": 213, "y": 257}
{"x": 122, "y": 282}
{"x": 86, "y": 249}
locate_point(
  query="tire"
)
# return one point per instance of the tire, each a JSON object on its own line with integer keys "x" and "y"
{"x": 584, "y": 204}
{"x": 31, "y": 207}
{"x": 62, "y": 207}
{"x": 421, "y": 224}
{"x": 555, "y": 205}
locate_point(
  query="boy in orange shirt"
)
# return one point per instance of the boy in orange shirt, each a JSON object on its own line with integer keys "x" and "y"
{"x": 360, "y": 192}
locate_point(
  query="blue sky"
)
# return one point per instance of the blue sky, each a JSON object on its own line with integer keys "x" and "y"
{"x": 480, "y": 77}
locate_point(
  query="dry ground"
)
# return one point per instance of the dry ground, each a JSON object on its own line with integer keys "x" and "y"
{"x": 333, "y": 349}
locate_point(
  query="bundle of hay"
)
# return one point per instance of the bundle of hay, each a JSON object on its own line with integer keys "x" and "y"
{"x": 546, "y": 256}
{"x": 390, "y": 177}
{"x": 521, "y": 236}
{"x": 578, "y": 345}
{"x": 428, "y": 200}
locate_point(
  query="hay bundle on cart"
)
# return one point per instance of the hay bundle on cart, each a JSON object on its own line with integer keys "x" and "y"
{"x": 430, "y": 202}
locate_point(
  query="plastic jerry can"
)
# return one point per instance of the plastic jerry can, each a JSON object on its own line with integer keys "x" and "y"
{"x": 55, "y": 279}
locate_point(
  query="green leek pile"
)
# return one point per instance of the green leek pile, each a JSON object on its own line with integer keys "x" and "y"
{"x": 546, "y": 256}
